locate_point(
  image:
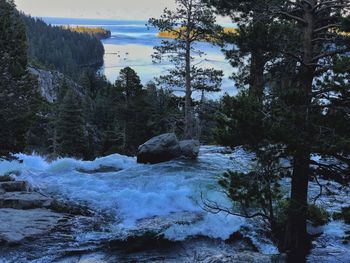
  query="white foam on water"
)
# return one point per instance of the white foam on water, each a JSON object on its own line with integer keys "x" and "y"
{"x": 213, "y": 225}
{"x": 139, "y": 192}
{"x": 38, "y": 163}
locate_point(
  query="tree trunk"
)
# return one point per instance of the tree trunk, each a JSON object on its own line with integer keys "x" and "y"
{"x": 257, "y": 66}
{"x": 257, "y": 74}
{"x": 188, "y": 133}
{"x": 188, "y": 95}
{"x": 296, "y": 237}
{"x": 296, "y": 241}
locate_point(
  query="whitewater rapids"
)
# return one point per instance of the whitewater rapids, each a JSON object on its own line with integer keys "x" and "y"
{"x": 165, "y": 198}
{"x": 135, "y": 192}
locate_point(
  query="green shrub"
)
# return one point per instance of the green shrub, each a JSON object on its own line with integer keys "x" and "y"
{"x": 343, "y": 215}
{"x": 317, "y": 215}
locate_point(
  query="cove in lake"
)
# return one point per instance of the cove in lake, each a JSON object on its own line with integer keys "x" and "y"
{"x": 131, "y": 45}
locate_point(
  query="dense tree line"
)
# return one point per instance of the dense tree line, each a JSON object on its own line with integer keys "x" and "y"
{"x": 19, "y": 97}
{"x": 64, "y": 50}
{"x": 107, "y": 119}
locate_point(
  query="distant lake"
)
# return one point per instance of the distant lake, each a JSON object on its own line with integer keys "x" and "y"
{"x": 131, "y": 44}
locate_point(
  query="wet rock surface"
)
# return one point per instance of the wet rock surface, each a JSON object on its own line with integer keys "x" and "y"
{"x": 24, "y": 214}
{"x": 190, "y": 148}
{"x": 101, "y": 169}
{"x": 14, "y": 186}
{"x": 190, "y": 251}
{"x": 24, "y": 200}
{"x": 17, "y": 225}
{"x": 167, "y": 147}
{"x": 159, "y": 149}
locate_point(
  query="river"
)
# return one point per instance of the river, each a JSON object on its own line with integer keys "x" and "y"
{"x": 164, "y": 201}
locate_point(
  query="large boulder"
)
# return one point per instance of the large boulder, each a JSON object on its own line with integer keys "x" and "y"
{"x": 166, "y": 147}
{"x": 159, "y": 149}
{"x": 190, "y": 148}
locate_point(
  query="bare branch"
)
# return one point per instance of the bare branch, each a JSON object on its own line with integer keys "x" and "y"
{"x": 215, "y": 208}
{"x": 331, "y": 53}
{"x": 296, "y": 18}
{"x": 327, "y": 27}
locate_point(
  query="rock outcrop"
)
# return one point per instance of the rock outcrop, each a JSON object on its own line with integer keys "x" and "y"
{"x": 24, "y": 200}
{"x": 167, "y": 147}
{"x": 23, "y": 212}
{"x": 17, "y": 225}
{"x": 50, "y": 83}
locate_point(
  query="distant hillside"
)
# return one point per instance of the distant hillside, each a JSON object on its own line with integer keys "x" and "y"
{"x": 56, "y": 48}
{"x": 98, "y": 32}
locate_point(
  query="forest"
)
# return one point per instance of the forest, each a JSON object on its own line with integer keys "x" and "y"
{"x": 56, "y": 48}
{"x": 292, "y": 110}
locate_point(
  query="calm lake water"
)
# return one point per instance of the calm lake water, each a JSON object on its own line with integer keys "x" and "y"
{"x": 132, "y": 45}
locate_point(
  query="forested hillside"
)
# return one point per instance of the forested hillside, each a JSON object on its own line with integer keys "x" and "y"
{"x": 97, "y": 32}
{"x": 57, "y": 48}
{"x": 19, "y": 98}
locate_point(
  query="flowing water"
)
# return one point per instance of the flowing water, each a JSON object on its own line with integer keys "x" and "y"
{"x": 165, "y": 200}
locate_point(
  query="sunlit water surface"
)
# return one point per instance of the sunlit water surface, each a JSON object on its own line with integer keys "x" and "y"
{"x": 132, "y": 45}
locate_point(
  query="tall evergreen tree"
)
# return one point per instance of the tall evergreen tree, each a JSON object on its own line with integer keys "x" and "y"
{"x": 295, "y": 120}
{"x": 254, "y": 42}
{"x": 131, "y": 110}
{"x": 191, "y": 22}
{"x": 18, "y": 90}
{"x": 70, "y": 127}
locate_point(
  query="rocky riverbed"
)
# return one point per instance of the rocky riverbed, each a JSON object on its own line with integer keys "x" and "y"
{"x": 115, "y": 210}
{"x": 37, "y": 228}
{"x": 23, "y": 213}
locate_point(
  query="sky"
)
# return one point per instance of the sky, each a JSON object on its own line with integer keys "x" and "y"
{"x": 109, "y": 9}
{"x": 103, "y": 9}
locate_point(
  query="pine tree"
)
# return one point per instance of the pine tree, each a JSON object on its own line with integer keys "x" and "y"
{"x": 18, "y": 90}
{"x": 70, "y": 127}
{"x": 130, "y": 111}
{"x": 296, "y": 118}
{"x": 191, "y": 22}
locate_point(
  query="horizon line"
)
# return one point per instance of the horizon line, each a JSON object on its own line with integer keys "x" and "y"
{"x": 89, "y": 18}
